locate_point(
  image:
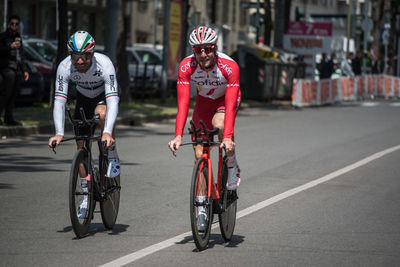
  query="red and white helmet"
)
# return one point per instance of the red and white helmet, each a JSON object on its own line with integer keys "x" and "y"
{"x": 203, "y": 35}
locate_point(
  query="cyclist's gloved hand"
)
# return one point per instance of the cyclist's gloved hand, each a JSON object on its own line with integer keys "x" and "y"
{"x": 108, "y": 138}
{"x": 56, "y": 138}
{"x": 229, "y": 145}
{"x": 175, "y": 143}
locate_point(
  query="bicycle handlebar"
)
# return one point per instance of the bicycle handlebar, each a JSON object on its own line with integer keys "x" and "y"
{"x": 195, "y": 133}
{"x": 80, "y": 123}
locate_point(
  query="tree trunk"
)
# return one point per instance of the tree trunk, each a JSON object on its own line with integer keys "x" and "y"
{"x": 62, "y": 35}
{"x": 122, "y": 58}
{"x": 279, "y": 26}
{"x": 267, "y": 22}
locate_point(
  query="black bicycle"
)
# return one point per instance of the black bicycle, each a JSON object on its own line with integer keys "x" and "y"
{"x": 90, "y": 181}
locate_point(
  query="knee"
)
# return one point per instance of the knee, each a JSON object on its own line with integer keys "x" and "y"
{"x": 101, "y": 111}
{"x": 198, "y": 154}
{"x": 218, "y": 123}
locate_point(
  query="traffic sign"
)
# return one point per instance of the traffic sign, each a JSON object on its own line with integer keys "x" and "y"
{"x": 385, "y": 36}
{"x": 249, "y": 4}
{"x": 367, "y": 24}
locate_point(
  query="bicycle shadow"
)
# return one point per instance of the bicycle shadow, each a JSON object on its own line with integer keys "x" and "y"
{"x": 97, "y": 228}
{"x": 215, "y": 239}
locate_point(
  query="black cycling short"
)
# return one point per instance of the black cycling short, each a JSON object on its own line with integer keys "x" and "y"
{"x": 88, "y": 105}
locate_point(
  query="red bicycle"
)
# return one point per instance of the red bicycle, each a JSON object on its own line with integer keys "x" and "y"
{"x": 218, "y": 199}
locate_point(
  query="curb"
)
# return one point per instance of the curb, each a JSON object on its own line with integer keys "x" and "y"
{"x": 125, "y": 119}
{"x": 14, "y": 131}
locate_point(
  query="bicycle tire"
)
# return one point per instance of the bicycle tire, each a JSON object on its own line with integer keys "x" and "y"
{"x": 79, "y": 226}
{"x": 201, "y": 239}
{"x": 109, "y": 205}
{"x": 227, "y": 218}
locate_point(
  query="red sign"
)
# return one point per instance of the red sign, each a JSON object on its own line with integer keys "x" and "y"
{"x": 310, "y": 28}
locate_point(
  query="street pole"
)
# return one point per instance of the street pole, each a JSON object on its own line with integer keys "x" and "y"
{"x": 164, "y": 79}
{"x": 348, "y": 27}
{"x": 258, "y": 21}
{"x": 398, "y": 56}
{"x": 155, "y": 22}
{"x": 5, "y": 15}
{"x": 110, "y": 43}
{"x": 365, "y": 44}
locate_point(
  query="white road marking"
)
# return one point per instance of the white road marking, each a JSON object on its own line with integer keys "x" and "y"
{"x": 263, "y": 204}
{"x": 369, "y": 104}
{"x": 397, "y": 104}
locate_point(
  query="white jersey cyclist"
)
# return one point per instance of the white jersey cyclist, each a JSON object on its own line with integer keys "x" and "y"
{"x": 96, "y": 85}
{"x": 99, "y": 78}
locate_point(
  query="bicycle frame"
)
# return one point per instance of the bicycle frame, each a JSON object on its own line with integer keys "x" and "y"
{"x": 216, "y": 187}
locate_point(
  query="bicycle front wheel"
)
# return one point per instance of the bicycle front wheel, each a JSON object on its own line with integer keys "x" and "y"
{"x": 202, "y": 237}
{"x": 79, "y": 193}
{"x": 227, "y": 218}
{"x": 109, "y": 205}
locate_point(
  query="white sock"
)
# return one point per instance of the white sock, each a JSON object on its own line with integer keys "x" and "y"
{"x": 200, "y": 199}
{"x": 231, "y": 161}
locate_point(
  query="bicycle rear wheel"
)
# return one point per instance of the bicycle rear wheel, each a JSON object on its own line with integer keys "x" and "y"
{"x": 109, "y": 205}
{"x": 200, "y": 238}
{"x": 227, "y": 219}
{"x": 77, "y": 194}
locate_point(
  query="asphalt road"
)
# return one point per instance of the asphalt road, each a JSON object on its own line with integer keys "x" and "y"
{"x": 320, "y": 187}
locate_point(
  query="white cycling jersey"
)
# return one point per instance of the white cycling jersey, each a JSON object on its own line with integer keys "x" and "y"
{"x": 99, "y": 78}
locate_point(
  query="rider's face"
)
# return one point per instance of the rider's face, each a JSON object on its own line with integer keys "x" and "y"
{"x": 205, "y": 55}
{"x": 81, "y": 61}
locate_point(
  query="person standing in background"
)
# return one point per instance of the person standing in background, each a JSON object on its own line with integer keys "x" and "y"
{"x": 356, "y": 63}
{"x": 12, "y": 68}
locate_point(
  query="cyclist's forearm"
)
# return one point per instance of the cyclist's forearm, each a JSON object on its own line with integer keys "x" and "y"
{"x": 111, "y": 115}
{"x": 59, "y": 115}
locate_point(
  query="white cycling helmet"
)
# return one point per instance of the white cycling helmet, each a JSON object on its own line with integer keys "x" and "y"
{"x": 81, "y": 42}
{"x": 203, "y": 35}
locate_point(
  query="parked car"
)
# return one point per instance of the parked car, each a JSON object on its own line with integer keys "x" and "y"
{"x": 145, "y": 69}
{"x": 42, "y": 55}
{"x": 31, "y": 91}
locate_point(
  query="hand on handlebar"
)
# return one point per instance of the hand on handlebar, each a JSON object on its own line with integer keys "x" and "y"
{"x": 106, "y": 137}
{"x": 175, "y": 143}
{"x": 229, "y": 145}
{"x": 55, "y": 140}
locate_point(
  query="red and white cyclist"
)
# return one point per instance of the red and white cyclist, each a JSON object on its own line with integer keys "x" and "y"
{"x": 97, "y": 93}
{"x": 216, "y": 77}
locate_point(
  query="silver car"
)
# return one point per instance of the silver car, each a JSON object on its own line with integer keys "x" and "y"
{"x": 145, "y": 69}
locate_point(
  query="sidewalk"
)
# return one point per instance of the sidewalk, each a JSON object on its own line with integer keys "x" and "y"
{"x": 39, "y": 119}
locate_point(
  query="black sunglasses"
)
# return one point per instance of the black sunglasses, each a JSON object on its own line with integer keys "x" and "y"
{"x": 84, "y": 56}
{"x": 14, "y": 23}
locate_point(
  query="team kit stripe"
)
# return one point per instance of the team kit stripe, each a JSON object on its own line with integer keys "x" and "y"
{"x": 111, "y": 94}
{"x": 61, "y": 95}
{"x": 73, "y": 42}
{"x": 85, "y": 42}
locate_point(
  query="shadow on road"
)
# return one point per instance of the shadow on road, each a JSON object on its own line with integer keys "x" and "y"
{"x": 215, "y": 239}
{"x": 99, "y": 228}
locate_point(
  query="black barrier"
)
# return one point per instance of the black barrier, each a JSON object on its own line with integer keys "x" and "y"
{"x": 145, "y": 80}
{"x": 266, "y": 78}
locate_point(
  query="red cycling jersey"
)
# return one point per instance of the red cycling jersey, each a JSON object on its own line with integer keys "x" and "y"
{"x": 212, "y": 85}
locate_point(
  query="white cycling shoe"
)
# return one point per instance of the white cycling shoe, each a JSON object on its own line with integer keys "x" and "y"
{"x": 233, "y": 177}
{"x": 113, "y": 168}
{"x": 83, "y": 208}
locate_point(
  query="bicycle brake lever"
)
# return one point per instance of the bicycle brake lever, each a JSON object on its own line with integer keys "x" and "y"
{"x": 174, "y": 152}
{"x": 53, "y": 146}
